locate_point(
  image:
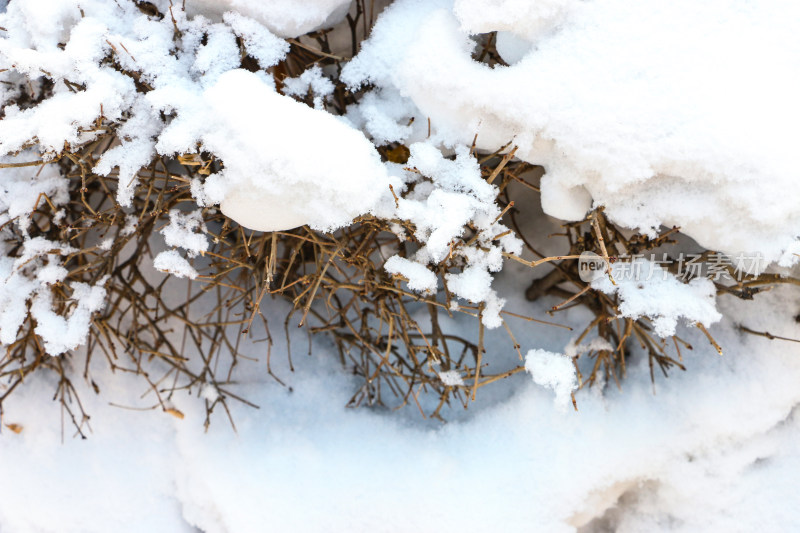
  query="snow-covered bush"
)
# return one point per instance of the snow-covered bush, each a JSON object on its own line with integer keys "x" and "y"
{"x": 237, "y": 145}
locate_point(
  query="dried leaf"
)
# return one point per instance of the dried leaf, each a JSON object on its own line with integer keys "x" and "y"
{"x": 174, "y": 412}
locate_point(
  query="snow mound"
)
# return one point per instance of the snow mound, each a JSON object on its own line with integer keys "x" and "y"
{"x": 660, "y": 126}
{"x": 286, "y": 164}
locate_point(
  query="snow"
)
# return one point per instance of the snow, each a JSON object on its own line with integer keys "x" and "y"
{"x": 679, "y": 113}
{"x": 260, "y": 43}
{"x": 419, "y": 278}
{"x": 527, "y": 20}
{"x": 27, "y": 280}
{"x": 130, "y": 226}
{"x": 326, "y": 181}
{"x": 449, "y": 195}
{"x": 554, "y": 371}
{"x": 210, "y": 393}
{"x": 286, "y": 18}
{"x": 61, "y": 118}
{"x": 640, "y": 108}
{"x": 714, "y": 449}
{"x": 52, "y": 273}
{"x": 310, "y": 80}
{"x": 63, "y": 333}
{"x": 186, "y": 231}
{"x": 596, "y": 345}
{"x": 23, "y": 187}
{"x": 385, "y": 116}
{"x": 645, "y": 289}
{"x": 451, "y": 378}
{"x": 173, "y": 262}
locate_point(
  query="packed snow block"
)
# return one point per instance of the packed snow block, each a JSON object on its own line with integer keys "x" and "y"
{"x": 286, "y": 164}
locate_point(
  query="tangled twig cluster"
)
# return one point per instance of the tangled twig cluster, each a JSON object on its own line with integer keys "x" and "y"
{"x": 336, "y": 281}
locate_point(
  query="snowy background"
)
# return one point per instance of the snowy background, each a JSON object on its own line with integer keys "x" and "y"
{"x": 667, "y": 114}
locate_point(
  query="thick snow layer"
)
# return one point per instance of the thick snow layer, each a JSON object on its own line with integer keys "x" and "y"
{"x": 715, "y": 449}
{"x": 286, "y": 165}
{"x": 528, "y": 20}
{"x": 679, "y": 113}
{"x": 287, "y": 18}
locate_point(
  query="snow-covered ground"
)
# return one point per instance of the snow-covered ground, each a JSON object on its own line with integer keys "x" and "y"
{"x": 681, "y": 113}
{"x": 715, "y": 448}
